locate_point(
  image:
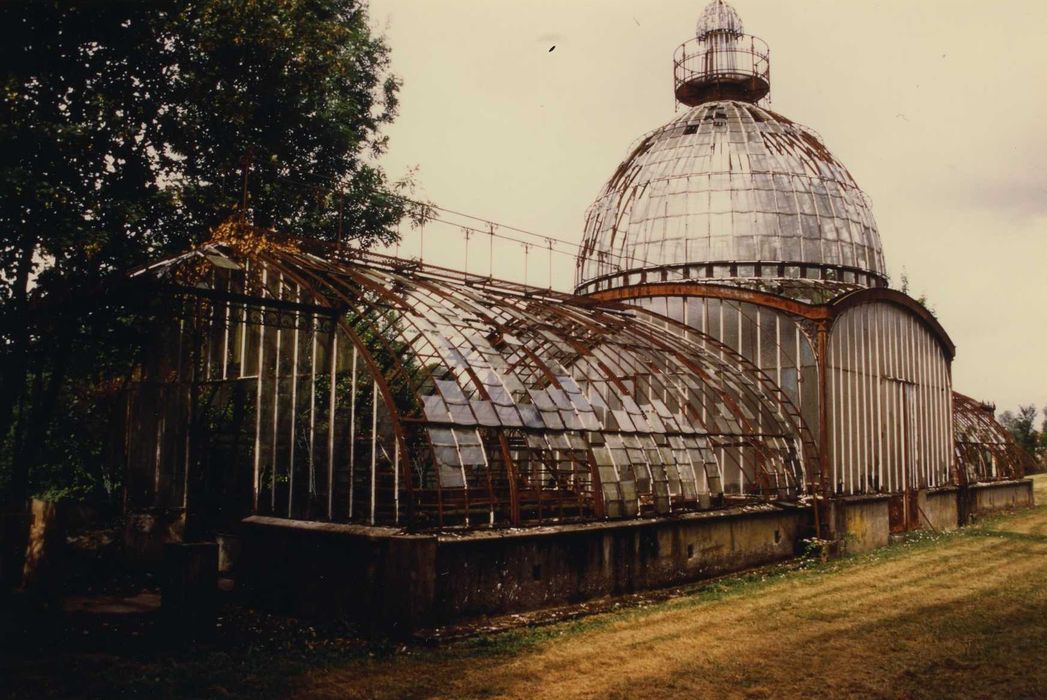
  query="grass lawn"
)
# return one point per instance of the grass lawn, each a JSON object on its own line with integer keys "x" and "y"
{"x": 962, "y": 614}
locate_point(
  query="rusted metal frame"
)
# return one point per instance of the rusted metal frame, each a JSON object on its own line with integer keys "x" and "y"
{"x": 503, "y": 443}
{"x": 376, "y": 374}
{"x": 669, "y": 378}
{"x": 439, "y": 293}
{"x": 312, "y": 409}
{"x": 332, "y": 403}
{"x": 645, "y": 357}
{"x": 822, "y": 358}
{"x": 399, "y": 451}
{"x": 401, "y": 369}
{"x": 532, "y": 352}
{"x": 979, "y": 431}
{"x": 258, "y": 398}
{"x": 380, "y": 261}
{"x": 713, "y": 291}
{"x": 294, "y": 414}
{"x": 772, "y": 386}
{"x": 658, "y": 276}
{"x": 582, "y": 350}
{"x": 550, "y": 377}
{"x": 852, "y": 384}
{"x": 528, "y": 317}
{"x": 345, "y": 270}
{"x": 276, "y": 402}
{"x": 398, "y": 367}
{"x": 698, "y": 370}
{"x": 228, "y": 297}
{"x": 771, "y": 389}
{"x": 699, "y": 417}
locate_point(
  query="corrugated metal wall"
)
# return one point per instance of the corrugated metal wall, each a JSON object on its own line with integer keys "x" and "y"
{"x": 889, "y": 396}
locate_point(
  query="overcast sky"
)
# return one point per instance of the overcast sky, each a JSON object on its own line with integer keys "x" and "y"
{"x": 937, "y": 107}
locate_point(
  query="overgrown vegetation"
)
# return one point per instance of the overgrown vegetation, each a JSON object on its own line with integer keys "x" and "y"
{"x": 1022, "y": 426}
{"x": 126, "y": 130}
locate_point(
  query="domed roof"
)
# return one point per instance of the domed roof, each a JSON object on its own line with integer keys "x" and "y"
{"x": 718, "y": 16}
{"x": 730, "y": 192}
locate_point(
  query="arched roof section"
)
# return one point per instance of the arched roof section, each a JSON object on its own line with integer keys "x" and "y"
{"x": 493, "y": 404}
{"x": 985, "y": 450}
{"x": 813, "y": 312}
{"x": 891, "y": 296}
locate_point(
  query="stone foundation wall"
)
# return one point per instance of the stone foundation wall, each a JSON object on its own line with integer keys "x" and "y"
{"x": 376, "y": 577}
{"x": 392, "y": 583}
{"x": 863, "y": 522}
{"x": 1000, "y": 495}
{"x": 939, "y": 508}
{"x": 492, "y": 574}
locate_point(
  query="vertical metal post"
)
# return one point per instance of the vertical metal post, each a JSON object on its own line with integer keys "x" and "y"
{"x": 822, "y": 358}
{"x": 276, "y": 396}
{"x": 332, "y": 396}
{"x": 352, "y": 433}
{"x": 312, "y": 410}
{"x": 258, "y": 397}
{"x": 374, "y": 442}
{"x": 294, "y": 405}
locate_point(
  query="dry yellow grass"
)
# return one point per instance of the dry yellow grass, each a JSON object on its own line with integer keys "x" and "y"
{"x": 964, "y": 615}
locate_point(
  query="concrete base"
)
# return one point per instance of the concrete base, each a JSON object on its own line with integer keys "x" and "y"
{"x": 862, "y": 522}
{"x": 1000, "y": 495}
{"x": 393, "y": 583}
{"x": 939, "y": 508}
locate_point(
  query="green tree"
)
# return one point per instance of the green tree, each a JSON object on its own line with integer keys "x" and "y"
{"x": 124, "y": 129}
{"x": 1022, "y": 425}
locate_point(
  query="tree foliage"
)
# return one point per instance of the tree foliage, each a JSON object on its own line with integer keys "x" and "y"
{"x": 125, "y": 130}
{"x": 1022, "y": 426}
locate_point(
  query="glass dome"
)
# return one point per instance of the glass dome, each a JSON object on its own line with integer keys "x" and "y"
{"x": 729, "y": 191}
{"x": 718, "y": 16}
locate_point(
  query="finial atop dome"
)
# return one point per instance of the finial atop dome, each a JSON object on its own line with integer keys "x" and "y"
{"x": 718, "y": 16}
{"x": 721, "y": 62}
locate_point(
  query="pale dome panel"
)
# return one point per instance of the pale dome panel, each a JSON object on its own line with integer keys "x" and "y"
{"x": 738, "y": 188}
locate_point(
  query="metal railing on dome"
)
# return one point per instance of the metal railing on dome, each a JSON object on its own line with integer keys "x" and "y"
{"x": 721, "y": 58}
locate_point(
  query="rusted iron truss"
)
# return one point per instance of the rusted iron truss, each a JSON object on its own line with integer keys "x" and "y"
{"x": 814, "y": 312}
{"x": 985, "y": 450}
{"x": 339, "y": 385}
